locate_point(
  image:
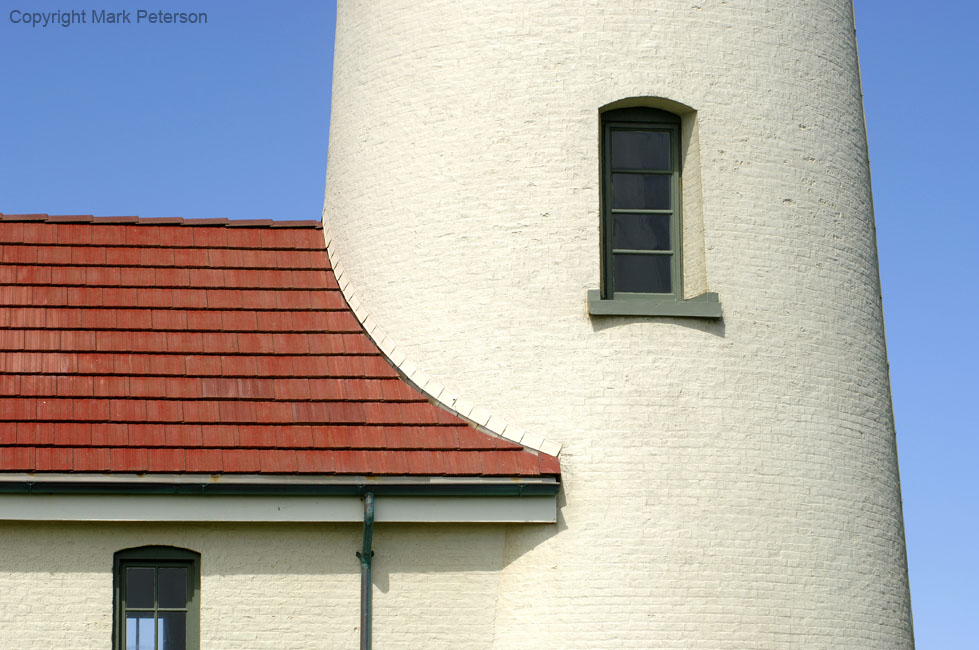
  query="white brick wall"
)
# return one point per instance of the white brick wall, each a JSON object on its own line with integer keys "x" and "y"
{"x": 728, "y": 484}
{"x": 262, "y": 586}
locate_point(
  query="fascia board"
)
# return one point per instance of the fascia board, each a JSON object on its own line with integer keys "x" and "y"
{"x": 275, "y": 509}
{"x": 274, "y": 485}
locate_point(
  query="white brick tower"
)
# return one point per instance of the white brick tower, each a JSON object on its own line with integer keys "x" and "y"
{"x": 729, "y": 483}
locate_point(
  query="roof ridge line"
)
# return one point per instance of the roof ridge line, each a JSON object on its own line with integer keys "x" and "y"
{"x": 478, "y": 416}
{"x": 160, "y": 221}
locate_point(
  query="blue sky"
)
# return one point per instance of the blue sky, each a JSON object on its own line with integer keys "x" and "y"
{"x": 920, "y": 95}
{"x": 232, "y": 119}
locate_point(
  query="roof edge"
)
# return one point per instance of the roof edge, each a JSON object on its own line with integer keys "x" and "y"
{"x": 159, "y": 221}
{"x": 272, "y": 485}
{"x": 479, "y": 417}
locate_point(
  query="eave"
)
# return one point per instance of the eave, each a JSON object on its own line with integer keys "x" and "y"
{"x": 275, "y": 499}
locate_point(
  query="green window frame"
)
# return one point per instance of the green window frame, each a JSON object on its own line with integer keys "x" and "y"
{"x": 156, "y": 599}
{"x": 640, "y": 191}
{"x": 641, "y": 221}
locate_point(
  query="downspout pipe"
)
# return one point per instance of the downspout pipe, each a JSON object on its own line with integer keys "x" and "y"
{"x": 366, "y": 555}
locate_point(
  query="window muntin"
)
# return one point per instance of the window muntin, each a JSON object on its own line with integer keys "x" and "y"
{"x": 156, "y": 599}
{"x": 640, "y": 203}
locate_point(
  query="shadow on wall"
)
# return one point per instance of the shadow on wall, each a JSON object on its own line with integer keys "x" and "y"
{"x": 226, "y": 549}
{"x": 713, "y": 326}
{"x": 454, "y": 548}
{"x": 270, "y": 549}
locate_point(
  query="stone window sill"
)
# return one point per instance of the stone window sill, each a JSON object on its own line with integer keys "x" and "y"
{"x": 706, "y": 305}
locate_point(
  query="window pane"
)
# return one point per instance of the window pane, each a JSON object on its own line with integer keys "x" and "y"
{"x": 641, "y": 191}
{"x": 641, "y": 150}
{"x": 642, "y": 273}
{"x": 173, "y": 586}
{"x": 173, "y": 631}
{"x": 139, "y": 587}
{"x": 641, "y": 231}
{"x": 139, "y": 631}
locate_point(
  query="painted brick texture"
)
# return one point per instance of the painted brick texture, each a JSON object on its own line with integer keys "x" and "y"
{"x": 728, "y": 484}
{"x": 262, "y": 586}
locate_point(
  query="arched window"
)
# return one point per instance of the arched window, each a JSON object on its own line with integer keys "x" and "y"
{"x": 641, "y": 230}
{"x": 640, "y": 202}
{"x": 156, "y": 599}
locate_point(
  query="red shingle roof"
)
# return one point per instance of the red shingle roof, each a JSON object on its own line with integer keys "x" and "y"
{"x": 206, "y": 346}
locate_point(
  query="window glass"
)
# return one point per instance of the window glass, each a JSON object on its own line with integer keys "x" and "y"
{"x": 139, "y": 631}
{"x": 641, "y": 231}
{"x": 640, "y": 208}
{"x": 173, "y": 586}
{"x": 641, "y": 150}
{"x": 642, "y": 273}
{"x": 641, "y": 191}
{"x": 172, "y": 631}
{"x": 139, "y": 586}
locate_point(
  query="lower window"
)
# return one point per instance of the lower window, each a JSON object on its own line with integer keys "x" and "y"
{"x": 156, "y": 596}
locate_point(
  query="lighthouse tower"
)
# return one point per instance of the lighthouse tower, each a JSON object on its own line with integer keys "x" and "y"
{"x": 639, "y": 233}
